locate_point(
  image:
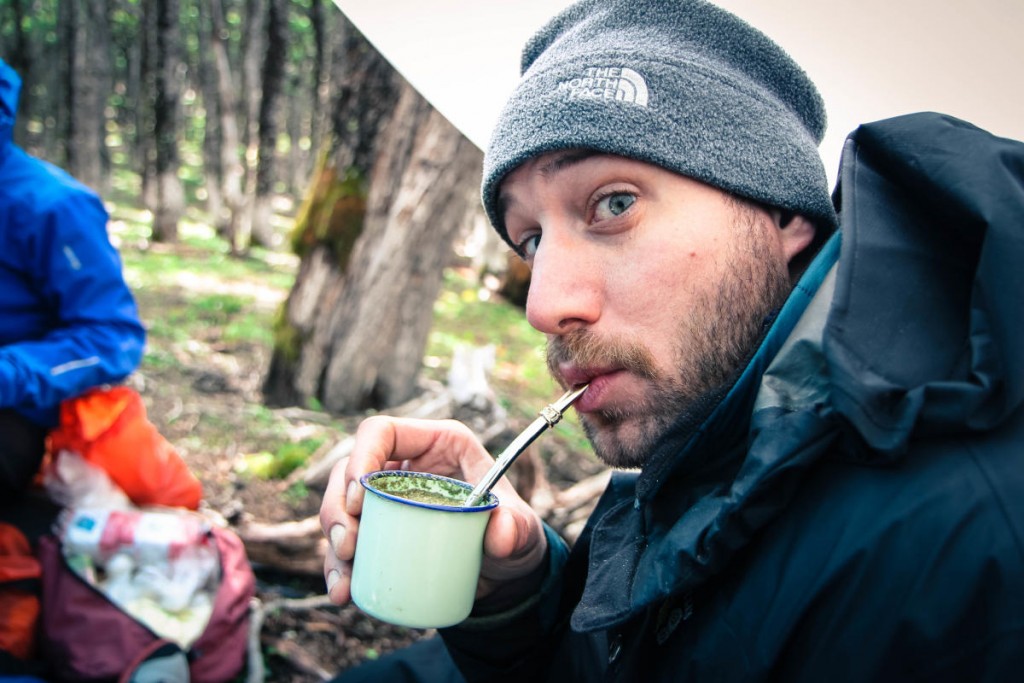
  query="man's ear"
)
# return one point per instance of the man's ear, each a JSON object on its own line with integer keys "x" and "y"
{"x": 796, "y": 234}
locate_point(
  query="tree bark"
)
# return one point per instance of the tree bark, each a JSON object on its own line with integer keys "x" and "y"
{"x": 378, "y": 337}
{"x": 89, "y": 83}
{"x": 253, "y": 41}
{"x": 170, "y": 196}
{"x": 331, "y": 218}
{"x": 21, "y": 60}
{"x": 213, "y": 138}
{"x": 296, "y": 172}
{"x": 355, "y": 326}
{"x": 232, "y": 165}
{"x": 127, "y": 79}
{"x": 269, "y": 121}
{"x": 321, "y": 25}
{"x": 145, "y": 113}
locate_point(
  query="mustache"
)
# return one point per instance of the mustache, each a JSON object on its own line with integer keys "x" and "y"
{"x": 583, "y": 349}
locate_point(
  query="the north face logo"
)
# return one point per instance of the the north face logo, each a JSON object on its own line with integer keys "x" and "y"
{"x": 606, "y": 83}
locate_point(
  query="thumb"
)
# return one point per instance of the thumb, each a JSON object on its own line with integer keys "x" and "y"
{"x": 503, "y": 537}
{"x": 513, "y": 537}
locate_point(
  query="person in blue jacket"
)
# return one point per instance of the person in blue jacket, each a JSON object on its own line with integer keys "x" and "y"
{"x": 814, "y": 400}
{"x": 68, "y": 321}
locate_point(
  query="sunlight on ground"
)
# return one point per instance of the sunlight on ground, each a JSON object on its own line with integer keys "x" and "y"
{"x": 129, "y": 227}
{"x": 198, "y": 283}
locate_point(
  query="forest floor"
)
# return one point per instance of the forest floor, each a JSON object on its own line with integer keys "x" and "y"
{"x": 209, "y": 346}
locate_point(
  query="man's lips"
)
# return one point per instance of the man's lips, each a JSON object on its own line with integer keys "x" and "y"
{"x": 598, "y": 380}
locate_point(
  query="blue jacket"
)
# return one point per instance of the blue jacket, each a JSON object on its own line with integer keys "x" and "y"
{"x": 68, "y": 321}
{"x": 851, "y": 507}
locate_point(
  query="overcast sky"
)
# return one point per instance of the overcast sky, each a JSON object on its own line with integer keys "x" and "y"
{"x": 871, "y": 59}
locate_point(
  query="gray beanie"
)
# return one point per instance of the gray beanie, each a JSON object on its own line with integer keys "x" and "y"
{"x": 682, "y": 84}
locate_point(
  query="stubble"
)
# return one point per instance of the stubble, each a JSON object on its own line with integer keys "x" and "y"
{"x": 715, "y": 337}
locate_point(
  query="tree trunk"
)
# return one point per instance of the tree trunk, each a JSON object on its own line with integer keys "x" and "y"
{"x": 59, "y": 85}
{"x": 253, "y": 40}
{"x": 145, "y": 114}
{"x": 379, "y": 337}
{"x": 232, "y": 166}
{"x": 127, "y": 79}
{"x": 89, "y": 83}
{"x": 361, "y": 315}
{"x": 213, "y": 166}
{"x": 273, "y": 83}
{"x": 170, "y": 196}
{"x": 213, "y": 169}
{"x": 331, "y": 220}
{"x": 321, "y": 24}
{"x": 21, "y": 60}
{"x": 298, "y": 126}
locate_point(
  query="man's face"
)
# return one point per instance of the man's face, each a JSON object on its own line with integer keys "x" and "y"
{"x": 650, "y": 286}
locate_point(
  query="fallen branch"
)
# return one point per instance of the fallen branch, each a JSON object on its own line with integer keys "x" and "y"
{"x": 572, "y": 507}
{"x": 318, "y": 471}
{"x": 583, "y": 492}
{"x": 258, "y": 613}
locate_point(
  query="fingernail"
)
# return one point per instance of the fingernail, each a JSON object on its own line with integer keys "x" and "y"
{"x": 332, "y": 578}
{"x": 337, "y": 536}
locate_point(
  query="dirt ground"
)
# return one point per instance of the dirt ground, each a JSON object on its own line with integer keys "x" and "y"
{"x": 205, "y": 405}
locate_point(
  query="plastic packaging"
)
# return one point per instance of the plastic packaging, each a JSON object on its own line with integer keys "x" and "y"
{"x": 159, "y": 566}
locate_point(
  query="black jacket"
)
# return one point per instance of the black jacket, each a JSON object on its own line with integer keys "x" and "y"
{"x": 851, "y": 508}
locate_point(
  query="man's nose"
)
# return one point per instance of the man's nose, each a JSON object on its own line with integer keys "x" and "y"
{"x": 564, "y": 287}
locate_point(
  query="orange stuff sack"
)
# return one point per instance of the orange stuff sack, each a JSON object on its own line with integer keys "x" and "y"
{"x": 19, "y": 602}
{"x": 109, "y": 429}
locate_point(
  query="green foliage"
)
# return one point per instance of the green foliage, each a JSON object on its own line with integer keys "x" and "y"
{"x": 296, "y": 493}
{"x": 281, "y": 462}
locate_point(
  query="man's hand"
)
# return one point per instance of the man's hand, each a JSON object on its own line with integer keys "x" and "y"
{"x": 514, "y": 543}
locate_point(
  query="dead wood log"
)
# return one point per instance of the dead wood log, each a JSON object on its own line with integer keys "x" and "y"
{"x": 317, "y": 472}
{"x": 291, "y": 547}
{"x": 584, "y": 491}
{"x": 572, "y": 507}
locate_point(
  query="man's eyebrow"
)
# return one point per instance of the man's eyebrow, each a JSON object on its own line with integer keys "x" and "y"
{"x": 553, "y": 166}
{"x": 562, "y": 161}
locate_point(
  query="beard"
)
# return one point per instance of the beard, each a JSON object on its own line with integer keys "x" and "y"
{"x": 715, "y": 337}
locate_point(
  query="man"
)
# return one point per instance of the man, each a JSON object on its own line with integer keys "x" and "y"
{"x": 828, "y": 425}
{"x": 68, "y": 321}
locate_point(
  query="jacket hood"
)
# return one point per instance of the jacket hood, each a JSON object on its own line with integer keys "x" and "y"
{"x": 10, "y": 87}
{"x": 933, "y": 209}
{"x": 914, "y": 332}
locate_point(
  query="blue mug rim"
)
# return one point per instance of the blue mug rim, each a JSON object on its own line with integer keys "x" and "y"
{"x": 492, "y": 500}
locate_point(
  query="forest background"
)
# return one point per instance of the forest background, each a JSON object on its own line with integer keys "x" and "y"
{"x": 303, "y": 234}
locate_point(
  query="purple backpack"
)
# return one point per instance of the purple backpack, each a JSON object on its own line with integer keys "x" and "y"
{"x": 86, "y": 637}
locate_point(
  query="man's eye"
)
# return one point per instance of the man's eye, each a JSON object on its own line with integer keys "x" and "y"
{"x": 528, "y": 247}
{"x": 613, "y": 205}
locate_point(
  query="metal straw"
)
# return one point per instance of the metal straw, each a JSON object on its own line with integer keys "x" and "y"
{"x": 549, "y": 417}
